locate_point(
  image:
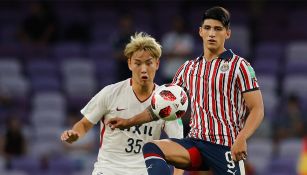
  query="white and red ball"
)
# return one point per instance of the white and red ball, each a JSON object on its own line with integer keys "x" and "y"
{"x": 169, "y": 102}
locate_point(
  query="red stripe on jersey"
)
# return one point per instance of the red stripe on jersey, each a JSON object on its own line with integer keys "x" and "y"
{"x": 185, "y": 77}
{"x": 222, "y": 100}
{"x": 102, "y": 132}
{"x": 185, "y": 73}
{"x": 254, "y": 82}
{"x": 235, "y": 99}
{"x": 230, "y": 82}
{"x": 211, "y": 124}
{"x": 191, "y": 79}
{"x": 198, "y": 79}
{"x": 198, "y": 82}
{"x": 213, "y": 96}
{"x": 203, "y": 124}
{"x": 245, "y": 75}
{"x": 239, "y": 84}
{"x": 177, "y": 74}
{"x": 175, "y": 80}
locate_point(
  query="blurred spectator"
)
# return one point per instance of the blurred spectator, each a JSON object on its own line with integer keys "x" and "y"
{"x": 14, "y": 142}
{"x": 177, "y": 47}
{"x": 6, "y": 106}
{"x": 40, "y": 25}
{"x": 77, "y": 31}
{"x": 126, "y": 29}
{"x": 290, "y": 121}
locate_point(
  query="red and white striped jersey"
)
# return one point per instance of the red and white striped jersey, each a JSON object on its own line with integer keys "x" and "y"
{"x": 218, "y": 110}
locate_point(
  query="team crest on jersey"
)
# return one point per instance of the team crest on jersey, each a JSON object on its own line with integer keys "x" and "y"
{"x": 224, "y": 67}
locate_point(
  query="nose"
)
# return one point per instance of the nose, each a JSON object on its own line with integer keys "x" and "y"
{"x": 211, "y": 33}
{"x": 143, "y": 68}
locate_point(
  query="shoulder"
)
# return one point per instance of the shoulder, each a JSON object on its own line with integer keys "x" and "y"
{"x": 114, "y": 89}
{"x": 193, "y": 61}
{"x": 236, "y": 59}
{"x": 189, "y": 65}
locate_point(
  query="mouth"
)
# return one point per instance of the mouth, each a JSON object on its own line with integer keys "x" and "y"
{"x": 144, "y": 77}
{"x": 212, "y": 41}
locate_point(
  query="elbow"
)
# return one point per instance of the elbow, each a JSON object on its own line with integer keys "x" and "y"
{"x": 261, "y": 113}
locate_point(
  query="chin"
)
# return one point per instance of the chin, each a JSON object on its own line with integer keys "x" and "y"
{"x": 212, "y": 48}
{"x": 146, "y": 82}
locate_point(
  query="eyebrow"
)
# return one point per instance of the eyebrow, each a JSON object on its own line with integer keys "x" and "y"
{"x": 206, "y": 25}
{"x": 144, "y": 61}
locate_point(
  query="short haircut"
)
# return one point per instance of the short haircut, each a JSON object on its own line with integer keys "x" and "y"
{"x": 143, "y": 41}
{"x": 218, "y": 13}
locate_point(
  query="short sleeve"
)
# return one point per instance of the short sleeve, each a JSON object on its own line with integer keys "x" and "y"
{"x": 246, "y": 78}
{"x": 174, "y": 129}
{"x": 96, "y": 108}
{"x": 179, "y": 76}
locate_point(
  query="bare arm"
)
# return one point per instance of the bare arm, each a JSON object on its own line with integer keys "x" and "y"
{"x": 144, "y": 117}
{"x": 254, "y": 103}
{"x": 178, "y": 171}
{"x": 78, "y": 131}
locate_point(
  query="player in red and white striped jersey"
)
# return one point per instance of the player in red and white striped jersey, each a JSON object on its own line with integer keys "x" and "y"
{"x": 226, "y": 107}
{"x": 216, "y": 88}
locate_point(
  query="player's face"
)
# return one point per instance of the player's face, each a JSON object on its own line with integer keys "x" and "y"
{"x": 143, "y": 67}
{"x": 213, "y": 34}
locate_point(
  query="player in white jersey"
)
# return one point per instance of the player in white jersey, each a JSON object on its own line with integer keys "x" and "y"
{"x": 121, "y": 150}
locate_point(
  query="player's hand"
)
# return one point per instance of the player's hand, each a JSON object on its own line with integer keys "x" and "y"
{"x": 239, "y": 149}
{"x": 70, "y": 136}
{"x": 117, "y": 123}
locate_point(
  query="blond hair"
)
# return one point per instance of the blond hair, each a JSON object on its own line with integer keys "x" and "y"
{"x": 143, "y": 41}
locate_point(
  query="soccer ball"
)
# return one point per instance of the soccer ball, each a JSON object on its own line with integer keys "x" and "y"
{"x": 169, "y": 102}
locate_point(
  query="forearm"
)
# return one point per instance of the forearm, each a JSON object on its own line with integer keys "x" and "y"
{"x": 146, "y": 116}
{"x": 252, "y": 122}
{"x": 81, "y": 128}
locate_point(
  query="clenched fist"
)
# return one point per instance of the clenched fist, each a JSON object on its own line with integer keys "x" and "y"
{"x": 70, "y": 136}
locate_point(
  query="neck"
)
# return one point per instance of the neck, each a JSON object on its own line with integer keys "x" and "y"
{"x": 143, "y": 92}
{"x": 210, "y": 54}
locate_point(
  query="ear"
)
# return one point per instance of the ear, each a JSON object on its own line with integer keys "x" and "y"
{"x": 129, "y": 63}
{"x": 228, "y": 33}
{"x": 200, "y": 32}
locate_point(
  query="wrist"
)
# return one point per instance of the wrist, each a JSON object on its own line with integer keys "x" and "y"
{"x": 242, "y": 135}
{"x": 128, "y": 122}
{"x": 152, "y": 115}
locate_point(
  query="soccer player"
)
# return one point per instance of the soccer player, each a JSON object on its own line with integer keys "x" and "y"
{"x": 121, "y": 149}
{"x": 226, "y": 108}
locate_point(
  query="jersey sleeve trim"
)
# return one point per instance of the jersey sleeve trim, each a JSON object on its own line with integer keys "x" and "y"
{"x": 249, "y": 90}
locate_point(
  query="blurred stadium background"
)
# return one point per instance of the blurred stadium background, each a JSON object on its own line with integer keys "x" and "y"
{"x": 55, "y": 55}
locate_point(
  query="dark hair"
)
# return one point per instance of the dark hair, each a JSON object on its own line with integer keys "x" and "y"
{"x": 218, "y": 13}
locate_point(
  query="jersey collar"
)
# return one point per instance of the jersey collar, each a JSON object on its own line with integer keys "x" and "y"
{"x": 228, "y": 54}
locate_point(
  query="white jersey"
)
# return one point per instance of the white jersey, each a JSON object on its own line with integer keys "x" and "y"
{"x": 121, "y": 150}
